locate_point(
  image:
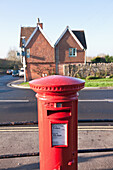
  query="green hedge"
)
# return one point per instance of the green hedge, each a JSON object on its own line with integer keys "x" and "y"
{"x": 92, "y": 78}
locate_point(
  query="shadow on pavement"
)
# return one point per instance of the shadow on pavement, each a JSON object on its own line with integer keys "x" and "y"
{"x": 35, "y": 166}
{"x": 87, "y": 158}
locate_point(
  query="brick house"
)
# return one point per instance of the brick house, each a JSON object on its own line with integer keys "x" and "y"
{"x": 44, "y": 58}
{"x": 70, "y": 49}
{"x": 39, "y": 52}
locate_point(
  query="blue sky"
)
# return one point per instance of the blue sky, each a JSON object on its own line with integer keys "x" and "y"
{"x": 95, "y": 17}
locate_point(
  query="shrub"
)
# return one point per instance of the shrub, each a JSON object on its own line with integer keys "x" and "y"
{"x": 98, "y": 60}
{"x": 92, "y": 78}
{"x": 111, "y": 76}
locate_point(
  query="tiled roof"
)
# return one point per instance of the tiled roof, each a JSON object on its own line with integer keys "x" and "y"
{"x": 26, "y": 31}
{"x": 81, "y": 37}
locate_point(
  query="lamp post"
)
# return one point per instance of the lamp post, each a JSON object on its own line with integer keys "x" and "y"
{"x": 23, "y": 56}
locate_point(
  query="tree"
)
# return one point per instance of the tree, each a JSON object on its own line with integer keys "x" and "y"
{"x": 14, "y": 59}
{"x": 98, "y": 60}
{"x": 108, "y": 59}
{"x": 12, "y": 55}
{"x": 111, "y": 59}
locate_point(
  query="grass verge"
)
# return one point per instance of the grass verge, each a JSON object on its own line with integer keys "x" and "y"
{"x": 25, "y": 84}
{"x": 106, "y": 82}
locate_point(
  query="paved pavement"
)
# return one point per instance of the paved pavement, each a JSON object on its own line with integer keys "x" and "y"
{"x": 95, "y": 139}
{"x": 16, "y": 141}
{"x": 25, "y": 140}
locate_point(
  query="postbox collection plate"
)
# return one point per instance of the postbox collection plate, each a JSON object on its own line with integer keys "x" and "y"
{"x": 59, "y": 134}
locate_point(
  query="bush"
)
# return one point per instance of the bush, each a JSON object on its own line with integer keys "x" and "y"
{"x": 111, "y": 76}
{"x": 98, "y": 60}
{"x": 92, "y": 78}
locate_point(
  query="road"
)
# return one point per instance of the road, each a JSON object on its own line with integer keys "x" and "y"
{"x": 16, "y": 104}
{"x": 96, "y": 104}
{"x": 20, "y": 104}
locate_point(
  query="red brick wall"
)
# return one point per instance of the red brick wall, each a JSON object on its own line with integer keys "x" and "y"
{"x": 63, "y": 46}
{"x": 42, "y": 60}
{"x": 36, "y": 70}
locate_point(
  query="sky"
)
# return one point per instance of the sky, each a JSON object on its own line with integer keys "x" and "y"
{"x": 95, "y": 17}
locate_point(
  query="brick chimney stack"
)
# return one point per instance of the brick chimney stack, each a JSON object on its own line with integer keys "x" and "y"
{"x": 38, "y": 23}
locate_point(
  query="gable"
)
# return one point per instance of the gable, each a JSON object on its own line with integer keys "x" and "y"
{"x": 78, "y": 36}
{"x": 40, "y": 49}
{"x": 38, "y": 28}
{"x": 36, "y": 40}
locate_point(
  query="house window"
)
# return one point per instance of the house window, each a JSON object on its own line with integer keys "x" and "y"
{"x": 28, "y": 53}
{"x": 72, "y": 52}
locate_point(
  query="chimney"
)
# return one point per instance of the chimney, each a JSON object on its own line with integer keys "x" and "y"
{"x": 38, "y": 23}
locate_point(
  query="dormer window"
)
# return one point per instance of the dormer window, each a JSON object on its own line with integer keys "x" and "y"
{"x": 72, "y": 52}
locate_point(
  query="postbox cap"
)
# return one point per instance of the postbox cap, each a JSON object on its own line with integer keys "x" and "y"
{"x": 56, "y": 83}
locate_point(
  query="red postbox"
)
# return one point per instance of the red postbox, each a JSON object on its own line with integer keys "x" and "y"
{"x": 57, "y": 120}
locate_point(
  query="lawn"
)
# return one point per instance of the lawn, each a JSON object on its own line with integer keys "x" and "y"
{"x": 105, "y": 82}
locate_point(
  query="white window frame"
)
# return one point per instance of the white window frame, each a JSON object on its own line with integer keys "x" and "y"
{"x": 72, "y": 52}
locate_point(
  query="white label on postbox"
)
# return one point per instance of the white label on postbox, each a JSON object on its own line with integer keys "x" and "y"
{"x": 59, "y": 134}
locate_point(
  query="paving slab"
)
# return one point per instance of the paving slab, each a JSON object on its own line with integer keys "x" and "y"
{"x": 95, "y": 139}
{"x": 17, "y": 141}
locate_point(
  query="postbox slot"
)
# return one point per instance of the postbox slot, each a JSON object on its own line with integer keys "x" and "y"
{"x": 58, "y": 113}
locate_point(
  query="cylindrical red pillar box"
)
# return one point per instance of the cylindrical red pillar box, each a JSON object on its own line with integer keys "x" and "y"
{"x": 57, "y": 120}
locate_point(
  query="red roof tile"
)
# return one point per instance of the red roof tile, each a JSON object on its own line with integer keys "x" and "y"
{"x": 26, "y": 31}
